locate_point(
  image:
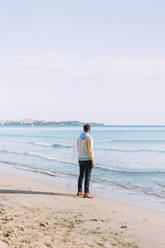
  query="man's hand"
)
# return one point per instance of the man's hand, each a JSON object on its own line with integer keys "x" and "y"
{"x": 93, "y": 165}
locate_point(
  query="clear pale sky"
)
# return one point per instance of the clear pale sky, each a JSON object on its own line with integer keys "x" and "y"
{"x": 87, "y": 60}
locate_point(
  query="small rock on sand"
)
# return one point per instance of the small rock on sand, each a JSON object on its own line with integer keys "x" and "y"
{"x": 3, "y": 244}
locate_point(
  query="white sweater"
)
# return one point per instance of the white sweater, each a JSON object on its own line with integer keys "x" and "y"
{"x": 85, "y": 147}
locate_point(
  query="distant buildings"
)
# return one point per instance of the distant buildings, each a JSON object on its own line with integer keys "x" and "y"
{"x": 2, "y": 122}
{"x": 28, "y": 121}
{"x": 32, "y": 122}
{"x": 8, "y": 122}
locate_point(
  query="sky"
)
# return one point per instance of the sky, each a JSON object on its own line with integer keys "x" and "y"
{"x": 90, "y": 60}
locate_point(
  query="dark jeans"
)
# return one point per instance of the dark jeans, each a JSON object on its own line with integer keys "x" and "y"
{"x": 85, "y": 169}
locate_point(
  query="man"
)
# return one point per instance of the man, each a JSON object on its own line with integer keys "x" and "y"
{"x": 86, "y": 160}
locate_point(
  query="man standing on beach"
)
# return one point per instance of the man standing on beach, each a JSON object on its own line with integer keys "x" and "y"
{"x": 86, "y": 160}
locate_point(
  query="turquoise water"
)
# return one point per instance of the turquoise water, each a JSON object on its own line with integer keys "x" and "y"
{"x": 130, "y": 160}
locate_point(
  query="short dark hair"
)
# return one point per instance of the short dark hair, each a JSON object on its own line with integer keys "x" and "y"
{"x": 87, "y": 127}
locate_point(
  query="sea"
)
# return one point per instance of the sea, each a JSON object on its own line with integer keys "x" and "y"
{"x": 130, "y": 160}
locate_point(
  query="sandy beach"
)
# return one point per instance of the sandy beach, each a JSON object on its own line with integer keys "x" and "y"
{"x": 37, "y": 215}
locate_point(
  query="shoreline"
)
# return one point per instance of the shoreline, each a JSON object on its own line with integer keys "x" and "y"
{"x": 35, "y": 214}
{"x": 71, "y": 185}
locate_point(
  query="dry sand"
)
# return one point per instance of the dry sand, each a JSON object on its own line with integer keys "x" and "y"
{"x": 37, "y": 215}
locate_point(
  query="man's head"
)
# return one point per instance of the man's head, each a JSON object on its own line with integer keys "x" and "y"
{"x": 87, "y": 128}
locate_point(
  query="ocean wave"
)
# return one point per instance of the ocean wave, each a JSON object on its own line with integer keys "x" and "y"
{"x": 29, "y": 168}
{"x": 130, "y": 170}
{"x": 98, "y": 167}
{"x": 49, "y": 173}
{"x": 137, "y": 141}
{"x": 61, "y": 146}
{"x": 52, "y": 145}
{"x": 51, "y": 157}
{"x": 159, "y": 195}
{"x": 8, "y": 151}
{"x": 139, "y": 188}
{"x": 128, "y": 186}
{"x": 132, "y": 151}
{"x": 161, "y": 184}
{"x": 103, "y": 149}
{"x": 42, "y": 144}
{"x": 40, "y": 155}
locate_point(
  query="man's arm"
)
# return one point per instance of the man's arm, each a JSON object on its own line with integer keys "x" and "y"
{"x": 90, "y": 151}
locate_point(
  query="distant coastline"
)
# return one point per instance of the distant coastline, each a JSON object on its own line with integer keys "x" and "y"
{"x": 32, "y": 122}
{"x": 46, "y": 123}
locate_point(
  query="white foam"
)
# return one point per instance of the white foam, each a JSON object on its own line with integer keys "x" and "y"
{"x": 42, "y": 144}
